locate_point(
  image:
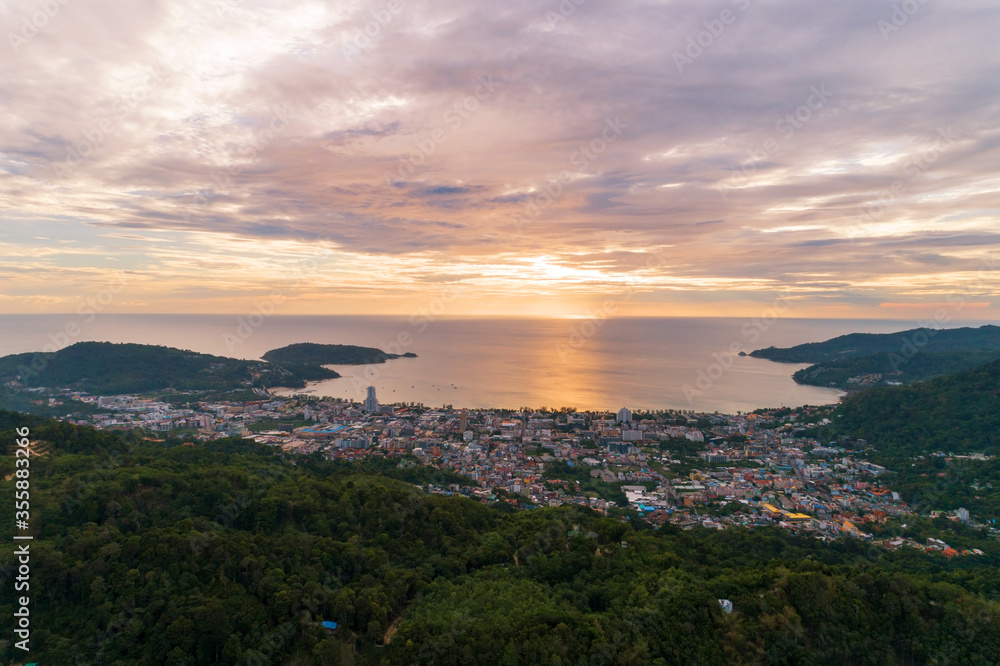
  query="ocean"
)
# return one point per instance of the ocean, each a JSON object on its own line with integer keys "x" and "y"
{"x": 589, "y": 364}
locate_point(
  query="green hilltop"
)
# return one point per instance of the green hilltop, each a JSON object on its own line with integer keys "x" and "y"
{"x": 320, "y": 354}
{"x": 940, "y": 438}
{"x": 957, "y": 413}
{"x": 861, "y": 360}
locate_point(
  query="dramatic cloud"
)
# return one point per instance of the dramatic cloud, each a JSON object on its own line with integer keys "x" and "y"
{"x": 533, "y": 158}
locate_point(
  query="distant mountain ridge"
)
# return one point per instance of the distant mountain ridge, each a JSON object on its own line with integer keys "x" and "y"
{"x": 862, "y": 360}
{"x": 854, "y": 345}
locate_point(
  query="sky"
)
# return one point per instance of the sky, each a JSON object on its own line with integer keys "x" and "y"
{"x": 657, "y": 158}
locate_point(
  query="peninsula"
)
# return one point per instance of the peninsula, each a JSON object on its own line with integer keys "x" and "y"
{"x": 864, "y": 360}
{"x": 105, "y": 367}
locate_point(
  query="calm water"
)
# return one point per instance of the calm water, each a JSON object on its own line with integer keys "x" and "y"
{"x": 482, "y": 362}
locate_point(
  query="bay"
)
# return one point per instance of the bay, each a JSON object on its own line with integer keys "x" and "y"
{"x": 641, "y": 363}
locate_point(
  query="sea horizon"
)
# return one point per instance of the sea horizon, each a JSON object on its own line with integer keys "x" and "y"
{"x": 646, "y": 363}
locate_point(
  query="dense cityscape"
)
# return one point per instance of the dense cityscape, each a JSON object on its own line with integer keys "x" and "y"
{"x": 679, "y": 467}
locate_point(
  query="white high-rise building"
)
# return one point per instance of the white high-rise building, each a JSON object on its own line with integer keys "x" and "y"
{"x": 371, "y": 402}
{"x": 624, "y": 415}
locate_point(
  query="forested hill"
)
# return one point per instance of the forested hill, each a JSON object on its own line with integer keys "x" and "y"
{"x": 862, "y": 360}
{"x": 318, "y": 354}
{"x": 855, "y": 345}
{"x": 227, "y": 553}
{"x": 957, "y": 413}
{"x": 108, "y": 368}
{"x": 853, "y": 374}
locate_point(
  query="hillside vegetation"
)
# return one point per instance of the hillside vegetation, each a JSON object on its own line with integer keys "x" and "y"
{"x": 926, "y": 433}
{"x": 108, "y": 368}
{"x": 861, "y": 360}
{"x": 317, "y": 354}
{"x": 866, "y": 371}
{"x": 854, "y": 345}
{"x": 957, "y": 413}
{"x": 228, "y": 553}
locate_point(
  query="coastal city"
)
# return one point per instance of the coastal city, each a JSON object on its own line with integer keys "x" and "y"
{"x": 473, "y": 333}
{"x": 677, "y": 467}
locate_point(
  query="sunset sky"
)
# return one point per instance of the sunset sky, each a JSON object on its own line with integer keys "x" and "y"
{"x": 664, "y": 158}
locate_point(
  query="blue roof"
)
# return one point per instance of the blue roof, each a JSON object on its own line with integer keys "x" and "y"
{"x": 329, "y": 625}
{"x": 330, "y": 430}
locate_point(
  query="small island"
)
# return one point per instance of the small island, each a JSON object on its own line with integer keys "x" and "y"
{"x": 318, "y": 354}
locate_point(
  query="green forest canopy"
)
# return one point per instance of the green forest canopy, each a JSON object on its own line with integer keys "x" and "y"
{"x": 915, "y": 430}
{"x": 233, "y": 553}
{"x": 895, "y": 367}
{"x": 905, "y": 357}
{"x": 853, "y": 345}
{"x": 957, "y": 413}
{"x": 109, "y": 368}
{"x": 319, "y": 354}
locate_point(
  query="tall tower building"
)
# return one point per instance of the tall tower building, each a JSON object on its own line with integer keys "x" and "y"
{"x": 463, "y": 422}
{"x": 371, "y": 402}
{"x": 624, "y": 415}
